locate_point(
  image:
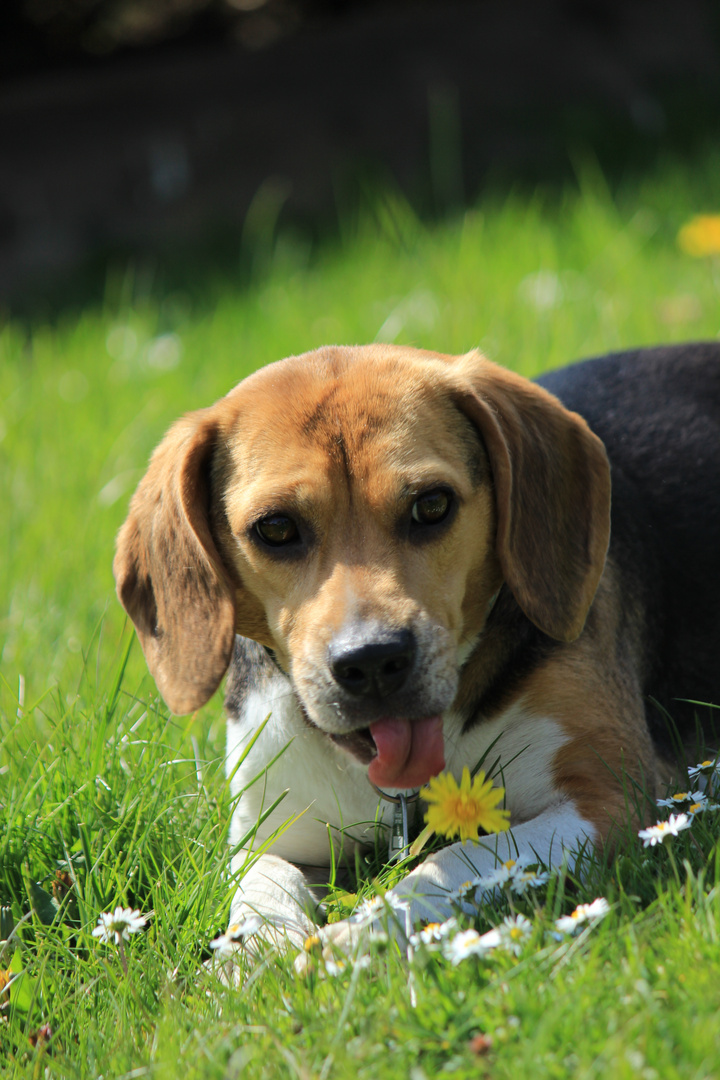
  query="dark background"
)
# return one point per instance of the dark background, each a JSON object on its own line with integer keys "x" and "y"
{"x": 171, "y": 129}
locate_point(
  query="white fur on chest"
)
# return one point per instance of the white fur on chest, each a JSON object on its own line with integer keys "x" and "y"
{"x": 331, "y": 792}
{"x": 323, "y": 783}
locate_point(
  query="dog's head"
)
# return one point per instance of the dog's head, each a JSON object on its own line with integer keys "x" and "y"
{"x": 356, "y": 510}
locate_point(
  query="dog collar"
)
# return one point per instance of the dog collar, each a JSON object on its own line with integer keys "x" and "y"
{"x": 394, "y": 798}
{"x": 399, "y": 845}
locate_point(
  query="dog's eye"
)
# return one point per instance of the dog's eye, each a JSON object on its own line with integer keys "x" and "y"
{"x": 431, "y": 508}
{"x": 276, "y": 530}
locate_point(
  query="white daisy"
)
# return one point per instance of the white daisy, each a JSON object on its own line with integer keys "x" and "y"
{"x": 466, "y": 891}
{"x": 655, "y": 834}
{"x": 683, "y": 799}
{"x": 336, "y": 966}
{"x": 503, "y": 873}
{"x": 700, "y": 805}
{"x": 466, "y": 943}
{"x": 374, "y": 910}
{"x": 704, "y": 768}
{"x": 120, "y": 924}
{"x": 514, "y": 875}
{"x": 236, "y": 933}
{"x": 583, "y": 913}
{"x": 510, "y": 934}
{"x": 528, "y": 879}
{"x": 433, "y": 933}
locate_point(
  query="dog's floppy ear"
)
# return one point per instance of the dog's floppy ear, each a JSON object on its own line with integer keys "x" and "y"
{"x": 552, "y": 486}
{"x": 170, "y": 577}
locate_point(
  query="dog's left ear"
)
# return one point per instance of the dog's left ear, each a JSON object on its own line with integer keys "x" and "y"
{"x": 552, "y": 486}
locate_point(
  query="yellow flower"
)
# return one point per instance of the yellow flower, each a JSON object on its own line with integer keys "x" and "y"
{"x": 461, "y": 809}
{"x": 700, "y": 236}
{"x": 312, "y": 943}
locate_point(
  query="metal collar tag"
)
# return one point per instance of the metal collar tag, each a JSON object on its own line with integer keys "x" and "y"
{"x": 398, "y": 847}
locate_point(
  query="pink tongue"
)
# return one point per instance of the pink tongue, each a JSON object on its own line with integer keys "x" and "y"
{"x": 409, "y": 752}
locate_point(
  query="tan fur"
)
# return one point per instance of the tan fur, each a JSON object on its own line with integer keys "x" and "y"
{"x": 183, "y": 560}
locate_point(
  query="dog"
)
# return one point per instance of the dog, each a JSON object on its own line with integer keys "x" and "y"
{"x": 413, "y": 562}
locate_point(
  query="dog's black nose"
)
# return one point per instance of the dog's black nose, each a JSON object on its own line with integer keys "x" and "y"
{"x": 372, "y": 664}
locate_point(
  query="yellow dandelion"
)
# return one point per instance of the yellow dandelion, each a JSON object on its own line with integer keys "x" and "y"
{"x": 700, "y": 236}
{"x": 461, "y": 809}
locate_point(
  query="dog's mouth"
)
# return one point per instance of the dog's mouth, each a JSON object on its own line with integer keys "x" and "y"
{"x": 399, "y": 753}
{"x": 359, "y": 743}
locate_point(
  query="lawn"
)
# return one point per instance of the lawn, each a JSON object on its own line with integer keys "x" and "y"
{"x": 106, "y": 800}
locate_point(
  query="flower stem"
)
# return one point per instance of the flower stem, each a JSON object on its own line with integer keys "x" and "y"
{"x": 674, "y": 865}
{"x": 130, "y": 982}
{"x": 420, "y": 841}
{"x": 123, "y": 959}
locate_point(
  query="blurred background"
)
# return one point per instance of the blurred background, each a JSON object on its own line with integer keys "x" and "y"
{"x": 190, "y": 189}
{"x": 183, "y": 133}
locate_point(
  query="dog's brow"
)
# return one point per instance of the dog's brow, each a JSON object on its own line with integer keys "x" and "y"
{"x": 361, "y": 417}
{"x": 342, "y": 454}
{"x": 318, "y": 417}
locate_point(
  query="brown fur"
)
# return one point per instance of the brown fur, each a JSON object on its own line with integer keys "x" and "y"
{"x": 344, "y": 439}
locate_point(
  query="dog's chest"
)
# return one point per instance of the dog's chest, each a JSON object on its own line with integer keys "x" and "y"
{"x": 326, "y": 795}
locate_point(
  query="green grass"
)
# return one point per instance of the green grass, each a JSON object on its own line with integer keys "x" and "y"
{"x": 97, "y": 781}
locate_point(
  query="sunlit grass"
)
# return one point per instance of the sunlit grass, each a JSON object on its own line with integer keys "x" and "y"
{"x": 105, "y": 800}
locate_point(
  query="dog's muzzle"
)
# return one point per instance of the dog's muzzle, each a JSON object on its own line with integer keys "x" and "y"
{"x": 372, "y": 665}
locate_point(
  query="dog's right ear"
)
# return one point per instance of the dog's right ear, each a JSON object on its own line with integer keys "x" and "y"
{"x": 170, "y": 577}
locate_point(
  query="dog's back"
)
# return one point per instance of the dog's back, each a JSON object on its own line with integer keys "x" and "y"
{"x": 658, "y": 414}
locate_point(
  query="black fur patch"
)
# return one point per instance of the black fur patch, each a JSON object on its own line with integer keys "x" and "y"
{"x": 658, "y": 413}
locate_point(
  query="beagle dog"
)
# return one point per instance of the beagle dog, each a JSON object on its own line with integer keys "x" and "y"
{"x": 413, "y": 562}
